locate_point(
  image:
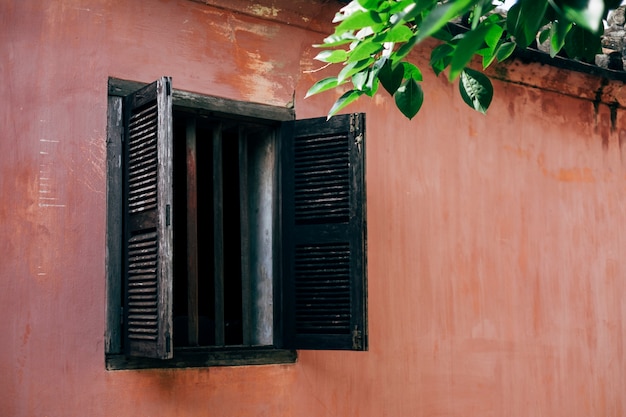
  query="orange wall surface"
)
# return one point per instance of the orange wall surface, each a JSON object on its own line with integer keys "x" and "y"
{"x": 496, "y": 243}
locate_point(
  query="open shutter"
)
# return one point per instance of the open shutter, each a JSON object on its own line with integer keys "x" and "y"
{"x": 324, "y": 234}
{"x": 148, "y": 246}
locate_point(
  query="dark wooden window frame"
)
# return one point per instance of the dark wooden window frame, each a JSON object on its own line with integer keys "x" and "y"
{"x": 356, "y": 339}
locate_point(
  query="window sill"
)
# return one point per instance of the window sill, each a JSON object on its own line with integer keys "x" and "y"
{"x": 206, "y": 357}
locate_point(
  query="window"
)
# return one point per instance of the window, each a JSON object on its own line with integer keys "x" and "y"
{"x": 234, "y": 233}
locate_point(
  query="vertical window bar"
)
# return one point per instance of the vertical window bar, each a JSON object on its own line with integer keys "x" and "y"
{"x": 245, "y": 238}
{"x": 192, "y": 234}
{"x": 218, "y": 235}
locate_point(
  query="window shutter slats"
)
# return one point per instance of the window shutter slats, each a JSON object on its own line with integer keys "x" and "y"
{"x": 148, "y": 232}
{"x": 324, "y": 233}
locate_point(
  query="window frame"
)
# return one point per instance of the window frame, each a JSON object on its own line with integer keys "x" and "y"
{"x": 183, "y": 357}
{"x": 284, "y": 120}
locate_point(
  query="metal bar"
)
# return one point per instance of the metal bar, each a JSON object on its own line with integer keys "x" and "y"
{"x": 244, "y": 225}
{"x": 192, "y": 234}
{"x": 218, "y": 235}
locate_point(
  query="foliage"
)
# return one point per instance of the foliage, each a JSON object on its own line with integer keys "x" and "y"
{"x": 373, "y": 39}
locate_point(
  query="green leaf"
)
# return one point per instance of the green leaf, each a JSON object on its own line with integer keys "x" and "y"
{"x": 558, "y": 34}
{"x": 581, "y": 44}
{"x": 441, "y": 15}
{"x": 477, "y": 13}
{"x": 524, "y": 20}
{"x": 399, "y": 33}
{"x": 442, "y": 35}
{"x": 347, "y": 11}
{"x": 409, "y": 98}
{"x": 369, "y": 4}
{"x": 493, "y": 39}
{"x": 411, "y": 71}
{"x": 476, "y": 90}
{"x": 488, "y": 57}
{"x": 493, "y": 35}
{"x": 337, "y": 40}
{"x": 347, "y": 98}
{"x": 352, "y": 68}
{"x": 406, "y": 11}
{"x": 586, "y": 13}
{"x": 391, "y": 78}
{"x": 402, "y": 6}
{"x": 505, "y": 50}
{"x": 440, "y": 57}
{"x": 371, "y": 87}
{"x": 332, "y": 56}
{"x": 358, "y": 20}
{"x": 364, "y": 50}
{"x": 466, "y": 48}
{"x": 406, "y": 48}
{"x": 373, "y": 81}
{"x": 322, "y": 85}
{"x": 359, "y": 79}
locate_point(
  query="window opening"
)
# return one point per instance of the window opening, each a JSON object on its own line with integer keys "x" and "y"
{"x": 226, "y": 171}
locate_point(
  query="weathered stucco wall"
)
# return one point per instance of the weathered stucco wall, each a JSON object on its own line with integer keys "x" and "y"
{"x": 496, "y": 275}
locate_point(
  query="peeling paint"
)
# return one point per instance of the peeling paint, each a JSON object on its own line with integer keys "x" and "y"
{"x": 264, "y": 11}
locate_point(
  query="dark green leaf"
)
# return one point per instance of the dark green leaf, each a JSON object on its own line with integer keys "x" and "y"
{"x": 440, "y": 57}
{"x": 322, "y": 85}
{"x": 334, "y": 56}
{"x": 586, "y": 13}
{"x": 581, "y": 44}
{"x": 524, "y": 20}
{"x": 610, "y": 5}
{"x": 371, "y": 87}
{"x": 406, "y": 48}
{"x": 441, "y": 14}
{"x": 409, "y": 98}
{"x": 343, "y": 101}
{"x": 476, "y": 90}
{"x": 442, "y": 35}
{"x": 463, "y": 53}
{"x": 391, "y": 78}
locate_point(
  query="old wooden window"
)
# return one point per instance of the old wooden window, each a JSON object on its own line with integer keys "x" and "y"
{"x": 235, "y": 234}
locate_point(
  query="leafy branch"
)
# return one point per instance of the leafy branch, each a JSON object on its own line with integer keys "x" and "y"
{"x": 373, "y": 39}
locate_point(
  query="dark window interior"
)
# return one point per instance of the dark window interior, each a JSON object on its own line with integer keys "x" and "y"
{"x": 233, "y": 327}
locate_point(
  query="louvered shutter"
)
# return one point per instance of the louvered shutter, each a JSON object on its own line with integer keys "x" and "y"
{"x": 147, "y": 221}
{"x": 324, "y": 234}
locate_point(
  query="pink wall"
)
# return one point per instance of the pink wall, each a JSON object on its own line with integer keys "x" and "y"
{"x": 496, "y": 275}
